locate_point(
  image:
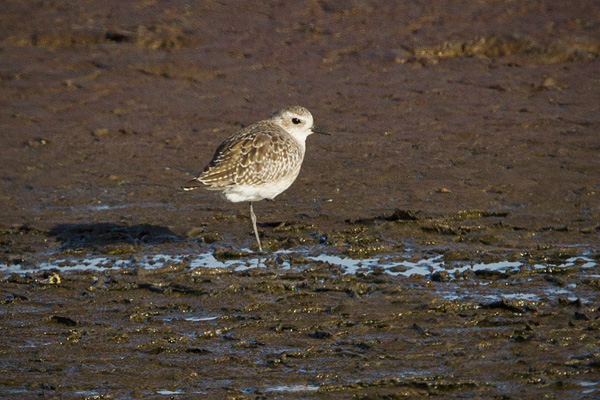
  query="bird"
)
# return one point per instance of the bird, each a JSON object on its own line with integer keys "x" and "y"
{"x": 260, "y": 161}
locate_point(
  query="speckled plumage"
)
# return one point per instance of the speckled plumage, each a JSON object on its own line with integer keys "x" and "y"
{"x": 258, "y": 156}
{"x": 260, "y": 161}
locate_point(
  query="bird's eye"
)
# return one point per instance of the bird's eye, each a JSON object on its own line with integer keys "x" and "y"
{"x": 296, "y": 121}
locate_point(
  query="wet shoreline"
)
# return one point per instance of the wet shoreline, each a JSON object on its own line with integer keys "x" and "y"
{"x": 442, "y": 243}
{"x": 311, "y": 330}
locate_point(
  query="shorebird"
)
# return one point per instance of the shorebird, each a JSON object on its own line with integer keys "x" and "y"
{"x": 260, "y": 161}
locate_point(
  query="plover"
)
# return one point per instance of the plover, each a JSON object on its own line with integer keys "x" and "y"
{"x": 260, "y": 161}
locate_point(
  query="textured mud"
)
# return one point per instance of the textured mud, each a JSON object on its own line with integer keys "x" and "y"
{"x": 309, "y": 332}
{"x": 465, "y": 130}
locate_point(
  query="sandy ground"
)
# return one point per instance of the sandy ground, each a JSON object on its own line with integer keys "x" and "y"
{"x": 468, "y": 130}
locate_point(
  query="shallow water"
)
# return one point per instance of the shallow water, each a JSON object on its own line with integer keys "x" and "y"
{"x": 295, "y": 325}
{"x": 386, "y": 264}
{"x": 484, "y": 290}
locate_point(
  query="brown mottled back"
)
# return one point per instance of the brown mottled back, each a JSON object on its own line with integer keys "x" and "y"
{"x": 259, "y": 154}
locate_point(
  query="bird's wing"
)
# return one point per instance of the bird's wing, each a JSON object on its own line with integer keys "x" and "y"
{"x": 259, "y": 154}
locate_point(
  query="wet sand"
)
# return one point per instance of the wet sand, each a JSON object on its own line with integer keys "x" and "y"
{"x": 466, "y": 131}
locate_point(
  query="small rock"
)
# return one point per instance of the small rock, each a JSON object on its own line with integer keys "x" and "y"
{"x": 63, "y": 320}
{"x": 401, "y": 215}
{"x": 100, "y": 132}
{"x": 551, "y": 83}
{"x": 52, "y": 279}
{"x": 440, "y": 276}
{"x": 581, "y": 316}
{"x": 320, "y": 335}
{"x": 37, "y": 143}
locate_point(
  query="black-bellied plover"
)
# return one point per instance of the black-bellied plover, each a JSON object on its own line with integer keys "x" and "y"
{"x": 260, "y": 161}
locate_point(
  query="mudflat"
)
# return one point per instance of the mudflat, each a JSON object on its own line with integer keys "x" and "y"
{"x": 466, "y": 132}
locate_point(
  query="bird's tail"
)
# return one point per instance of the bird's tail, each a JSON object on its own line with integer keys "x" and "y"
{"x": 193, "y": 185}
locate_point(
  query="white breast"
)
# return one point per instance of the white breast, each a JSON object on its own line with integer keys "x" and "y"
{"x": 238, "y": 193}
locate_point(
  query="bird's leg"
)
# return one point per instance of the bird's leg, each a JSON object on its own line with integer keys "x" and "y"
{"x": 253, "y": 218}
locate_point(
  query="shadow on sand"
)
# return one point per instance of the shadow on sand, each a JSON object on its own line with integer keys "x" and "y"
{"x": 102, "y": 234}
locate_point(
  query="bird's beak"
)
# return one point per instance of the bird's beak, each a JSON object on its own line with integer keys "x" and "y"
{"x": 320, "y": 131}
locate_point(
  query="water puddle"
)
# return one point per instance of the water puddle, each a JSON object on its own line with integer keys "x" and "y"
{"x": 423, "y": 267}
{"x": 199, "y": 318}
{"x": 291, "y": 388}
{"x": 590, "y": 386}
{"x": 387, "y": 264}
{"x": 106, "y": 207}
{"x": 390, "y": 264}
{"x": 165, "y": 392}
{"x": 87, "y": 393}
{"x": 271, "y": 389}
